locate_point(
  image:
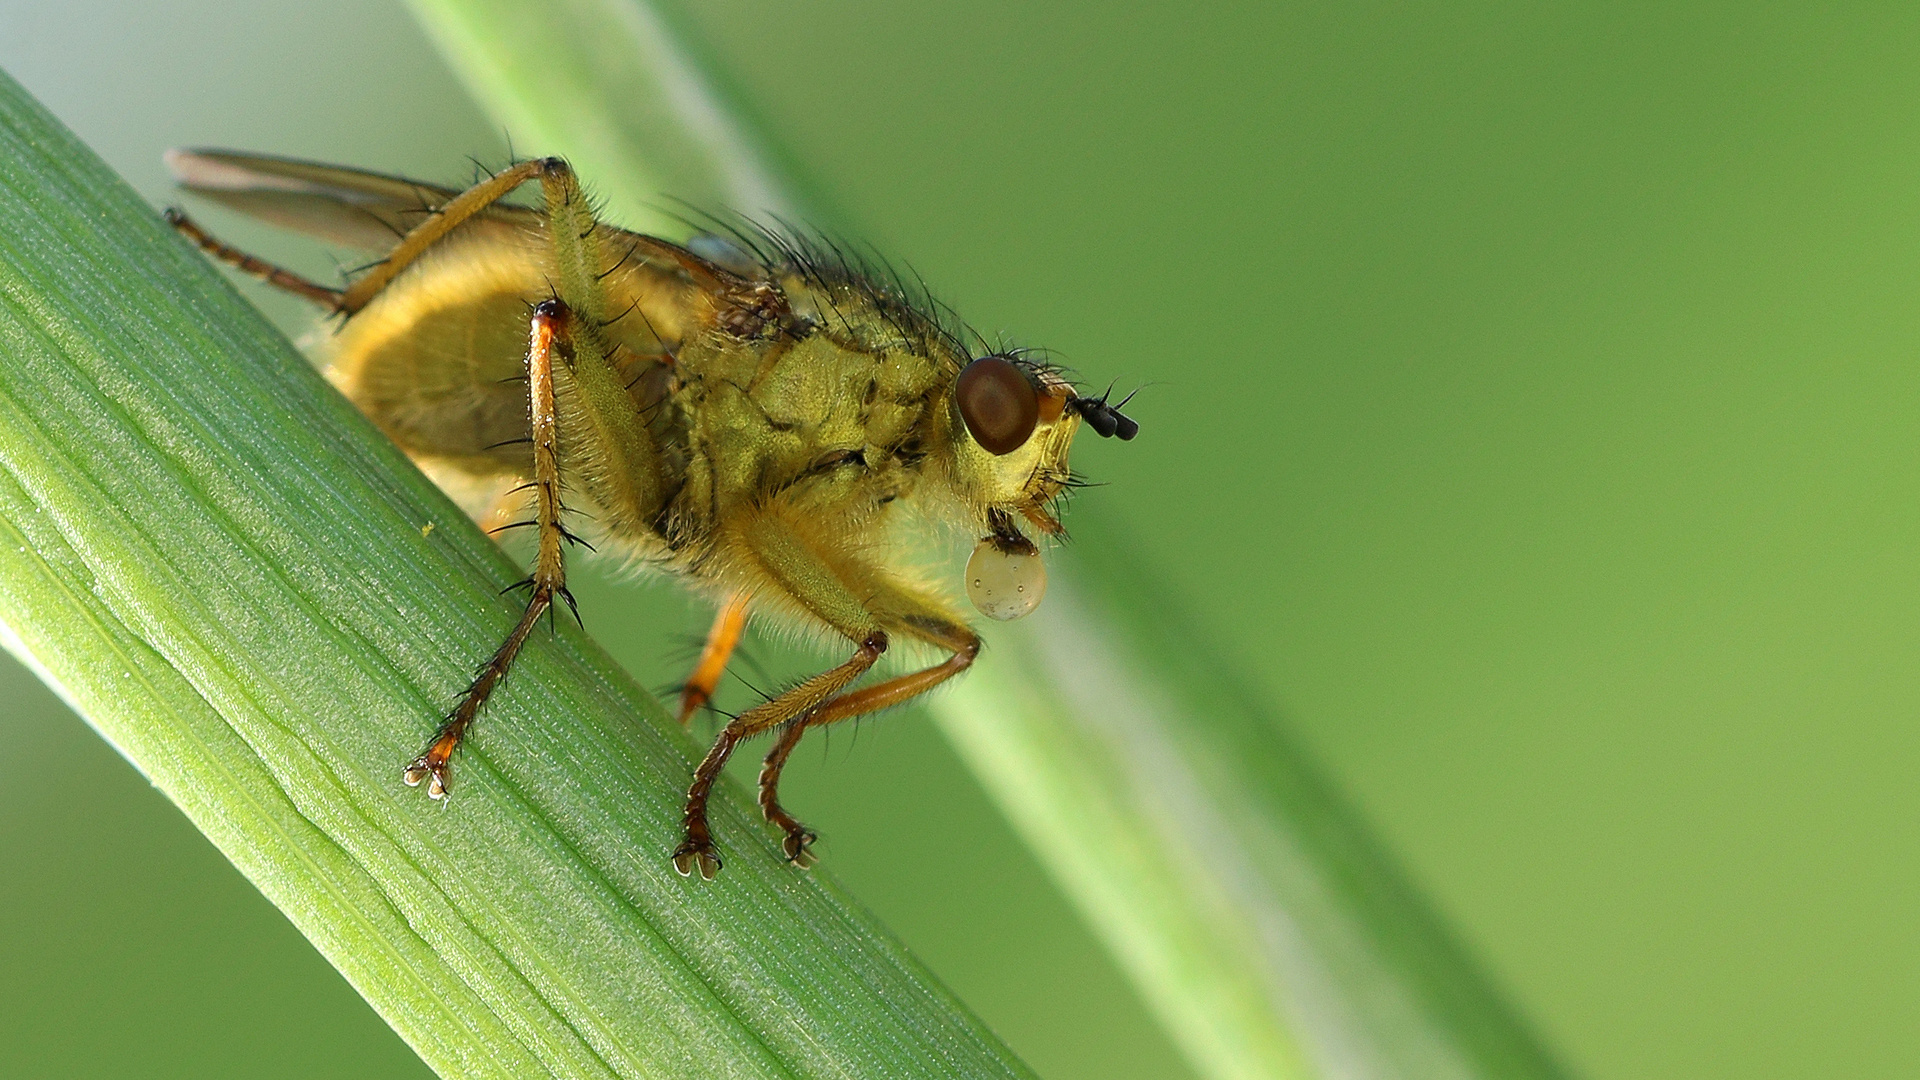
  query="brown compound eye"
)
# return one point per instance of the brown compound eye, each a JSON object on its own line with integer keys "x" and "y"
{"x": 998, "y": 403}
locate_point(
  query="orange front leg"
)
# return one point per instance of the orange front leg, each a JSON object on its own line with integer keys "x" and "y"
{"x": 697, "y": 852}
{"x": 966, "y": 647}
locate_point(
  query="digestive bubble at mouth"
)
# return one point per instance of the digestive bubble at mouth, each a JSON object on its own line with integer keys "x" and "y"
{"x": 1005, "y": 584}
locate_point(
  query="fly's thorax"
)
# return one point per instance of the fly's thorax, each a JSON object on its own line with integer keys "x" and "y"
{"x": 809, "y": 417}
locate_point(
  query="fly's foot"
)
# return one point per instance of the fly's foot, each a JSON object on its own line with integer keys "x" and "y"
{"x": 696, "y": 853}
{"x": 435, "y": 767}
{"x": 798, "y": 845}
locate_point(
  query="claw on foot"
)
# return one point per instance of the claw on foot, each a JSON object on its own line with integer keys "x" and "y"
{"x": 436, "y": 765}
{"x": 798, "y": 847}
{"x": 696, "y": 854}
{"x": 436, "y": 773}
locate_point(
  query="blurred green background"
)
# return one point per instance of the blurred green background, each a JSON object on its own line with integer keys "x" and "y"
{"x": 1534, "y": 404}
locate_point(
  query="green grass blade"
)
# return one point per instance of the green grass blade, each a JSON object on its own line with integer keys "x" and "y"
{"x": 246, "y": 589}
{"x": 1248, "y": 903}
{"x": 609, "y": 82}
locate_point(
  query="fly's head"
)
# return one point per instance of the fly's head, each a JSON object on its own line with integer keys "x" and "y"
{"x": 1014, "y": 423}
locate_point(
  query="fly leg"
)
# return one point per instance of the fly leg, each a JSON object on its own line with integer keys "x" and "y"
{"x": 578, "y": 408}
{"x": 285, "y": 280}
{"x": 727, "y": 626}
{"x": 697, "y": 850}
{"x": 966, "y": 648}
{"x": 924, "y": 620}
{"x": 797, "y": 844}
{"x": 549, "y": 578}
{"x": 444, "y": 219}
{"x": 574, "y": 231}
{"x": 776, "y": 546}
{"x": 905, "y": 613}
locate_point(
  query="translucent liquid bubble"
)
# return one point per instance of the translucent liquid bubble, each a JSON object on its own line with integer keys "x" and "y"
{"x": 1005, "y": 585}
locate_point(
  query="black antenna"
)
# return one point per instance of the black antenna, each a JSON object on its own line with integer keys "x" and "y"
{"x": 1106, "y": 420}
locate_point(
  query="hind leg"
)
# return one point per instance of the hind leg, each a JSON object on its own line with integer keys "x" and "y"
{"x": 285, "y": 280}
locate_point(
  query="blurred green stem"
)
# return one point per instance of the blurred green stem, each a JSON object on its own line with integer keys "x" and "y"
{"x": 1247, "y": 901}
{"x": 265, "y": 607}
